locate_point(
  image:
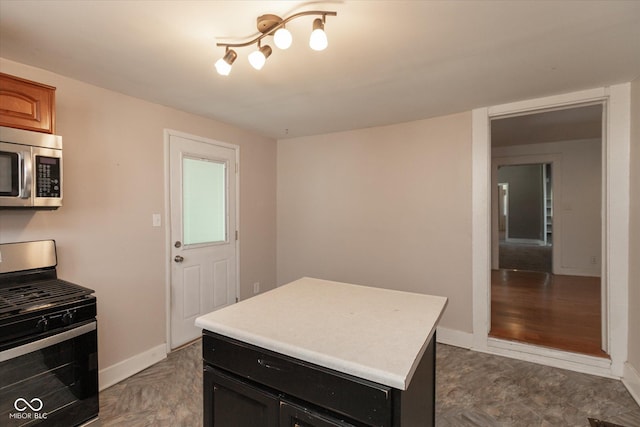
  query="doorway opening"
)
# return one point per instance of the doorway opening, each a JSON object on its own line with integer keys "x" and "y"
{"x": 547, "y": 228}
{"x": 525, "y": 217}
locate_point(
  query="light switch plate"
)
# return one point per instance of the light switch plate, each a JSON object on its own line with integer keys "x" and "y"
{"x": 156, "y": 220}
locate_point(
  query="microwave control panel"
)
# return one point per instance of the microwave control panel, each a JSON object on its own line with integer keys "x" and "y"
{"x": 48, "y": 179}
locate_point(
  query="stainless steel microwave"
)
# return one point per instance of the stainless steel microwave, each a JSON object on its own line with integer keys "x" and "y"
{"x": 30, "y": 169}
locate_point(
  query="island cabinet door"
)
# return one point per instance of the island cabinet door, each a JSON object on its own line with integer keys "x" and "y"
{"x": 292, "y": 415}
{"x": 232, "y": 403}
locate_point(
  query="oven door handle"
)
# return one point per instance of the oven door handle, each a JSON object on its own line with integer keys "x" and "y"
{"x": 12, "y": 353}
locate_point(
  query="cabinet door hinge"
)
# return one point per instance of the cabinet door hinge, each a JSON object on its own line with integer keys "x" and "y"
{"x": 236, "y": 234}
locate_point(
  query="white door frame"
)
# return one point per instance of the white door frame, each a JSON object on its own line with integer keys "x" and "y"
{"x": 167, "y": 214}
{"x": 616, "y": 146}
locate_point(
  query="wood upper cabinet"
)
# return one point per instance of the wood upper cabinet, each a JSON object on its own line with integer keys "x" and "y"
{"x": 26, "y": 105}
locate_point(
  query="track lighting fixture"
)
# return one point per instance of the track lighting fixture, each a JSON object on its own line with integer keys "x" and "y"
{"x": 223, "y": 65}
{"x": 318, "y": 39}
{"x": 282, "y": 38}
{"x": 273, "y": 25}
{"x": 257, "y": 58}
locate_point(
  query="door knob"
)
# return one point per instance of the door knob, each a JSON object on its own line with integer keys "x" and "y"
{"x": 178, "y": 258}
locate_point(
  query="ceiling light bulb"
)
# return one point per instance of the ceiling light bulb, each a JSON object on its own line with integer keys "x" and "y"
{"x": 257, "y": 58}
{"x": 318, "y": 39}
{"x": 223, "y": 65}
{"x": 282, "y": 38}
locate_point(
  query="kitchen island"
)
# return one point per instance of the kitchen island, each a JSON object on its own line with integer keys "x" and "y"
{"x": 321, "y": 353}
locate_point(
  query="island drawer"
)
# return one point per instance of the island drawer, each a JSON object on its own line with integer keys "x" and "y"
{"x": 356, "y": 398}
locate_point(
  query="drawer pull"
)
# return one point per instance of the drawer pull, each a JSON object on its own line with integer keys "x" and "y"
{"x": 268, "y": 365}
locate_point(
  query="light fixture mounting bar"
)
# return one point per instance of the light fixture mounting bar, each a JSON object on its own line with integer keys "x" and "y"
{"x": 272, "y": 22}
{"x": 266, "y": 23}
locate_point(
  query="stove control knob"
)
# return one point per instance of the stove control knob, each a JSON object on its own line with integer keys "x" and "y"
{"x": 43, "y": 324}
{"x": 69, "y": 317}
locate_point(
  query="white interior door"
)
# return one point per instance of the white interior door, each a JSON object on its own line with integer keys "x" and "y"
{"x": 203, "y": 179}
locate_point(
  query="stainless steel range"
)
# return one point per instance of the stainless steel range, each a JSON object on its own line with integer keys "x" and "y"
{"x": 48, "y": 341}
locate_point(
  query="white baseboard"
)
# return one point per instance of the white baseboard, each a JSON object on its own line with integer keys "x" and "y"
{"x": 454, "y": 337}
{"x": 586, "y": 272}
{"x": 631, "y": 380}
{"x": 115, "y": 373}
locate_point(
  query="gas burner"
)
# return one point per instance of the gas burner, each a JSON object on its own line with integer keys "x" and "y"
{"x": 25, "y": 293}
{"x": 24, "y": 297}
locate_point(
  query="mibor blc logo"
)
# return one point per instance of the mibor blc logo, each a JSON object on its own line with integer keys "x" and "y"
{"x": 28, "y": 409}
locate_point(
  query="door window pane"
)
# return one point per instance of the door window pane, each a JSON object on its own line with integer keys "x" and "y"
{"x": 204, "y": 201}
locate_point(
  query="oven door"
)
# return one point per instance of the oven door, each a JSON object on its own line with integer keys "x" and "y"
{"x": 52, "y": 381}
{"x": 15, "y": 175}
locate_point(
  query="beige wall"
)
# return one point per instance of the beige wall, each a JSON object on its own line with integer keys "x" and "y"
{"x": 114, "y": 182}
{"x": 386, "y": 206}
{"x": 634, "y": 231}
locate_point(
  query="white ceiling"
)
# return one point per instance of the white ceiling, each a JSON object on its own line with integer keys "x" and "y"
{"x": 387, "y": 61}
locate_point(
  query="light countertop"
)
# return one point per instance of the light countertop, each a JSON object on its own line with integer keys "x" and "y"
{"x": 372, "y": 333}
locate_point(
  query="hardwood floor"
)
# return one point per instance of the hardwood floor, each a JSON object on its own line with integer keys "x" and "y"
{"x": 561, "y": 312}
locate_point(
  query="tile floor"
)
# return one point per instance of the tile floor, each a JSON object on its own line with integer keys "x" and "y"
{"x": 473, "y": 389}
{"x": 477, "y": 389}
{"x": 168, "y": 393}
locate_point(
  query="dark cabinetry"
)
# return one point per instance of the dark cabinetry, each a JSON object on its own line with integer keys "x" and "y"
{"x": 292, "y": 415}
{"x": 234, "y": 403}
{"x": 247, "y": 386}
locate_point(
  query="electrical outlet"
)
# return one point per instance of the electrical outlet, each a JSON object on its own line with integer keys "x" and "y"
{"x": 593, "y": 260}
{"x": 256, "y": 287}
